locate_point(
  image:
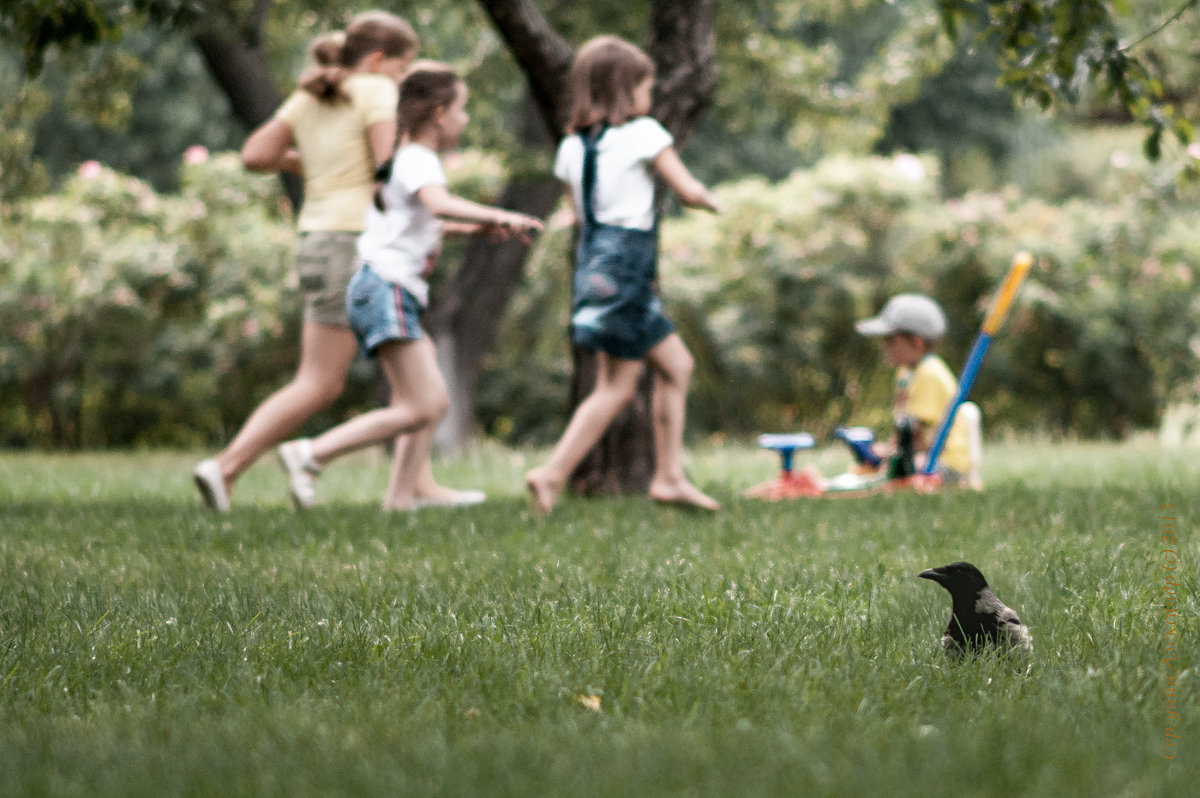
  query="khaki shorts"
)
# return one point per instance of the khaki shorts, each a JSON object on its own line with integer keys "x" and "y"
{"x": 325, "y": 262}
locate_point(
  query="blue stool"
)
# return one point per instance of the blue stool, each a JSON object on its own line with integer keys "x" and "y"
{"x": 788, "y": 484}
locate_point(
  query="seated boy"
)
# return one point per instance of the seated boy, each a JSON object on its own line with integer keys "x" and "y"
{"x": 911, "y": 326}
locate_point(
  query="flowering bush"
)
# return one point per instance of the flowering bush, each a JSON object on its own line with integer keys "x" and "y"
{"x": 138, "y": 318}
{"x": 1105, "y": 330}
{"x": 765, "y": 295}
{"x": 135, "y": 318}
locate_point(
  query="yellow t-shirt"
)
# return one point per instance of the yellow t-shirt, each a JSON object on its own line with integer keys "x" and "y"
{"x": 930, "y": 388}
{"x": 331, "y": 138}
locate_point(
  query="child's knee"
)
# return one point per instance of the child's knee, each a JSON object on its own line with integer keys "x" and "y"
{"x": 439, "y": 406}
{"x": 434, "y": 407}
{"x": 420, "y": 411}
{"x": 687, "y": 365}
{"x": 678, "y": 372}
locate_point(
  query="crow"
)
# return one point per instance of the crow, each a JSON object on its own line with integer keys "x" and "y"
{"x": 977, "y": 618}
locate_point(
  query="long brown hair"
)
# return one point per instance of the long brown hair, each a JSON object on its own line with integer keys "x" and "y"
{"x": 428, "y": 86}
{"x": 604, "y": 74}
{"x": 335, "y": 54}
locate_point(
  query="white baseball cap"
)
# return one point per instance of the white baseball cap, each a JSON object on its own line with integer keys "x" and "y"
{"x": 916, "y": 314}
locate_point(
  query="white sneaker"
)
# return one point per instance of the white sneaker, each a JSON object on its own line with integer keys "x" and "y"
{"x": 211, "y": 484}
{"x": 458, "y": 498}
{"x": 296, "y": 457}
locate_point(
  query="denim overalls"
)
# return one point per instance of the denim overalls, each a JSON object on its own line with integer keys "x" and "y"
{"x": 615, "y": 309}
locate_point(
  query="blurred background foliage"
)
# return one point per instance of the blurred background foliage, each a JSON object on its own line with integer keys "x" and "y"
{"x": 134, "y": 317}
{"x": 148, "y": 301}
{"x": 1106, "y": 332}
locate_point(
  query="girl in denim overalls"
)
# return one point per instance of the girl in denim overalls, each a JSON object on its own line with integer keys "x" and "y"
{"x": 609, "y": 161}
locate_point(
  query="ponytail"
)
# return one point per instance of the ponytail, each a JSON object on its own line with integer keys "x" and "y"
{"x": 335, "y": 55}
{"x": 428, "y": 86}
{"x": 324, "y": 79}
{"x": 383, "y": 173}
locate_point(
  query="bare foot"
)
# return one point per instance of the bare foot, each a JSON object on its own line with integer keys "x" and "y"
{"x": 543, "y": 490}
{"x": 682, "y": 493}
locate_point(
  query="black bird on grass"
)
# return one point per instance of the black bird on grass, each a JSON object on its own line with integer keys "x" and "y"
{"x": 977, "y": 618}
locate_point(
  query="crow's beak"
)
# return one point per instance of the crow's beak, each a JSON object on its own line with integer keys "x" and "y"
{"x": 933, "y": 574}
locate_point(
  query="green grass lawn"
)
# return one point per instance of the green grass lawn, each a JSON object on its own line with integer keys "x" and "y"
{"x": 615, "y": 649}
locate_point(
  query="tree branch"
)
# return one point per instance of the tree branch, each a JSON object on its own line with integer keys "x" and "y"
{"x": 543, "y": 55}
{"x": 1183, "y": 9}
{"x": 235, "y": 60}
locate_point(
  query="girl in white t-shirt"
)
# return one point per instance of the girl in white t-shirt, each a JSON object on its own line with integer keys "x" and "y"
{"x": 384, "y": 300}
{"x": 609, "y": 160}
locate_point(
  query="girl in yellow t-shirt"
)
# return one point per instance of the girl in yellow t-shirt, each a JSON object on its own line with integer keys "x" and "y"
{"x": 334, "y": 130}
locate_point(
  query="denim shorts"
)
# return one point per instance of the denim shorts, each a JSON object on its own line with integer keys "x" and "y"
{"x": 325, "y": 262}
{"x": 381, "y": 311}
{"x": 615, "y": 308}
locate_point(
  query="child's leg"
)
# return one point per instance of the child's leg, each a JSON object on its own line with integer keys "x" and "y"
{"x": 411, "y": 460}
{"x": 425, "y": 484}
{"x": 673, "y": 365}
{"x": 410, "y": 465}
{"x": 428, "y": 492}
{"x": 326, "y": 354}
{"x": 419, "y": 399}
{"x": 616, "y": 383}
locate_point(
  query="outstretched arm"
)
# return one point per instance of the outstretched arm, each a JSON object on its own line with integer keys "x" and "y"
{"x": 442, "y": 203}
{"x": 691, "y": 192}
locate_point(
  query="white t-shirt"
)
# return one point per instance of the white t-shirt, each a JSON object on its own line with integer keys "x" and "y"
{"x": 624, "y": 193}
{"x": 402, "y": 243}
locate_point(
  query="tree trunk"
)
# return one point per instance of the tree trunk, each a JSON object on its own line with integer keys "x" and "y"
{"x": 684, "y": 48}
{"x": 544, "y": 56}
{"x": 234, "y": 57}
{"x": 463, "y": 316}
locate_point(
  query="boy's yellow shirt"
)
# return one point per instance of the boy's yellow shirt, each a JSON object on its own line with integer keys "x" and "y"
{"x": 331, "y": 137}
{"x": 931, "y": 387}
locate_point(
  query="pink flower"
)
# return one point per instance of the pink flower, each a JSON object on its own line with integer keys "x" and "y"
{"x": 195, "y": 154}
{"x": 90, "y": 170}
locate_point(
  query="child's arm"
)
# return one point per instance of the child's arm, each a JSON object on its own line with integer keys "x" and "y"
{"x": 454, "y": 228}
{"x": 691, "y": 192}
{"x": 462, "y": 228}
{"x": 442, "y": 203}
{"x": 270, "y": 149}
{"x": 381, "y": 137}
